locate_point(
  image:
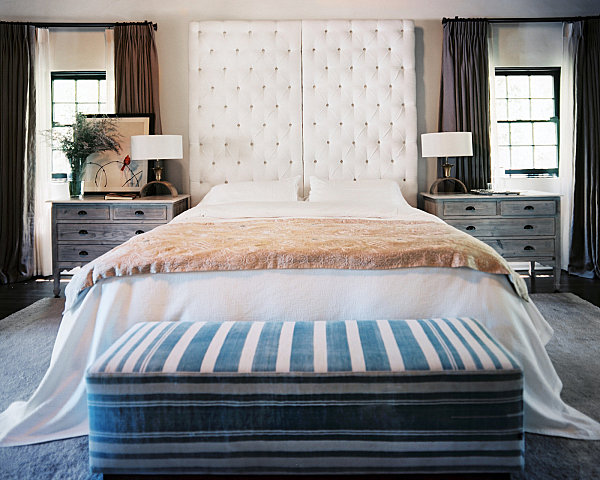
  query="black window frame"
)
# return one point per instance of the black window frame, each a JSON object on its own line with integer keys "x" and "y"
{"x": 532, "y": 71}
{"x": 72, "y": 75}
{"x": 69, "y": 75}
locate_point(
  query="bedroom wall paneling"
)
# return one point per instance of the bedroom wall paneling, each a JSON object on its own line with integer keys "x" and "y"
{"x": 245, "y": 101}
{"x": 359, "y": 101}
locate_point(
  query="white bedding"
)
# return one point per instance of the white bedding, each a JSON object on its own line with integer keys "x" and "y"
{"x": 98, "y": 316}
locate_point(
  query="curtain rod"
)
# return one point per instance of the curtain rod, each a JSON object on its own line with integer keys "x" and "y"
{"x": 81, "y": 24}
{"x": 525, "y": 19}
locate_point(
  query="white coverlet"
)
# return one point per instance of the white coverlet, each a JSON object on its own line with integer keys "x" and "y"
{"x": 98, "y": 316}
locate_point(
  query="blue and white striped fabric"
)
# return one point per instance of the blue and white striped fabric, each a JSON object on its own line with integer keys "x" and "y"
{"x": 384, "y": 396}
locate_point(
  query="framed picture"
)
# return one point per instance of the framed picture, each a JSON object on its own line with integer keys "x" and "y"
{"x": 116, "y": 172}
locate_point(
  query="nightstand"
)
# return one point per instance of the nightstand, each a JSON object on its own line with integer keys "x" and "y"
{"x": 85, "y": 229}
{"x": 523, "y": 227}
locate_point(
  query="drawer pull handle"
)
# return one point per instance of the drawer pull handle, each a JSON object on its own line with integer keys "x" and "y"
{"x": 471, "y": 227}
{"x": 83, "y": 232}
{"x": 139, "y": 213}
{"x": 82, "y": 212}
{"x": 470, "y": 208}
{"x": 83, "y": 253}
{"x": 528, "y": 227}
{"x": 529, "y": 248}
{"x": 529, "y": 207}
{"x": 138, "y": 232}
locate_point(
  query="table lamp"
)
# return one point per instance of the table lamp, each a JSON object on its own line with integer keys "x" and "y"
{"x": 447, "y": 144}
{"x": 157, "y": 147}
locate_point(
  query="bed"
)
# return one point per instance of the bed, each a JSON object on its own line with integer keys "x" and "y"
{"x": 304, "y": 104}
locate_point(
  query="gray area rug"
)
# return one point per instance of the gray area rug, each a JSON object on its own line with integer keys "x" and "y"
{"x": 26, "y": 340}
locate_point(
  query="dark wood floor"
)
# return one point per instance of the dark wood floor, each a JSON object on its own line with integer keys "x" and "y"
{"x": 17, "y": 296}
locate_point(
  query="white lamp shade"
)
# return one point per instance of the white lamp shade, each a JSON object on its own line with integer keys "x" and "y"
{"x": 447, "y": 144}
{"x": 156, "y": 147}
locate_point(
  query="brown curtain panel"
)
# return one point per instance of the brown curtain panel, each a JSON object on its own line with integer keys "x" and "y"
{"x": 136, "y": 71}
{"x": 464, "y": 96}
{"x": 584, "y": 257}
{"x": 17, "y": 151}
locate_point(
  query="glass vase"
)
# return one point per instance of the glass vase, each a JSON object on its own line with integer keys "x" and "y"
{"x": 76, "y": 189}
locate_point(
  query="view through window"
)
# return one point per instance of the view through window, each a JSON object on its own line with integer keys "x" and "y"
{"x": 527, "y": 115}
{"x": 74, "y": 92}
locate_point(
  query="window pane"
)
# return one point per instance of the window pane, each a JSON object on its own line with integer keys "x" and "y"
{"x": 542, "y": 86}
{"x": 517, "y": 86}
{"x": 102, "y": 97}
{"x": 521, "y": 157}
{"x": 502, "y": 132}
{"x": 545, "y": 157}
{"x": 60, "y": 164}
{"x": 64, "y": 90}
{"x": 87, "y": 91}
{"x": 520, "y": 134}
{"x": 501, "y": 110}
{"x": 87, "y": 107}
{"x": 501, "y": 87}
{"x": 63, "y": 113}
{"x": 542, "y": 109}
{"x": 504, "y": 157}
{"x": 519, "y": 109}
{"x": 544, "y": 133}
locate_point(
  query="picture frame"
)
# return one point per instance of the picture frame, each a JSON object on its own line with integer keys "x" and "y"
{"x": 114, "y": 172}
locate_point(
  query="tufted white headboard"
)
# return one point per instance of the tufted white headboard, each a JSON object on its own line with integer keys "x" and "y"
{"x": 270, "y": 100}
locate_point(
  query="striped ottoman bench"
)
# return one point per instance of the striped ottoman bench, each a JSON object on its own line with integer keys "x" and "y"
{"x": 360, "y": 397}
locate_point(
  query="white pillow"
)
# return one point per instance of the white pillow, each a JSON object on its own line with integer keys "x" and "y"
{"x": 361, "y": 191}
{"x": 263, "y": 191}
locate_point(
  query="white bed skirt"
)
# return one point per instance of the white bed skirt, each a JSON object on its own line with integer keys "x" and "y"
{"x": 58, "y": 408}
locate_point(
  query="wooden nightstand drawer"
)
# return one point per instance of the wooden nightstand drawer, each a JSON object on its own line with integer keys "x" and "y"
{"x": 525, "y": 207}
{"x": 81, "y": 253}
{"x": 101, "y": 232}
{"x": 83, "y": 212}
{"x": 138, "y": 212}
{"x": 507, "y": 227}
{"x": 528, "y": 247}
{"x": 469, "y": 208}
{"x": 82, "y": 230}
{"x": 524, "y": 227}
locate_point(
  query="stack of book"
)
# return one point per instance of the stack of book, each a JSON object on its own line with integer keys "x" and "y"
{"x": 120, "y": 196}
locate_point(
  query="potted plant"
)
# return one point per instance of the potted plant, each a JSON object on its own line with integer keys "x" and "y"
{"x": 86, "y": 137}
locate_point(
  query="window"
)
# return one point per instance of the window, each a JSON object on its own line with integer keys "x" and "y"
{"x": 74, "y": 92}
{"x": 527, "y": 113}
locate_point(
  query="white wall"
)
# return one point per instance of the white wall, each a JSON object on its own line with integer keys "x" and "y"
{"x": 173, "y": 17}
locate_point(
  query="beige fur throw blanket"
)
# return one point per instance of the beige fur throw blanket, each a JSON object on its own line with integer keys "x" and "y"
{"x": 286, "y": 243}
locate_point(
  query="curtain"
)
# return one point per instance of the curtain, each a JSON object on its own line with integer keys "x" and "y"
{"x": 584, "y": 257}
{"x": 464, "y": 96}
{"x": 109, "y": 65}
{"x": 566, "y": 162}
{"x": 43, "y": 163}
{"x": 136, "y": 71}
{"x": 17, "y": 151}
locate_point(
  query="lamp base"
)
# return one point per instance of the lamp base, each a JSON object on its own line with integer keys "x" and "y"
{"x": 434, "y": 185}
{"x": 168, "y": 185}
